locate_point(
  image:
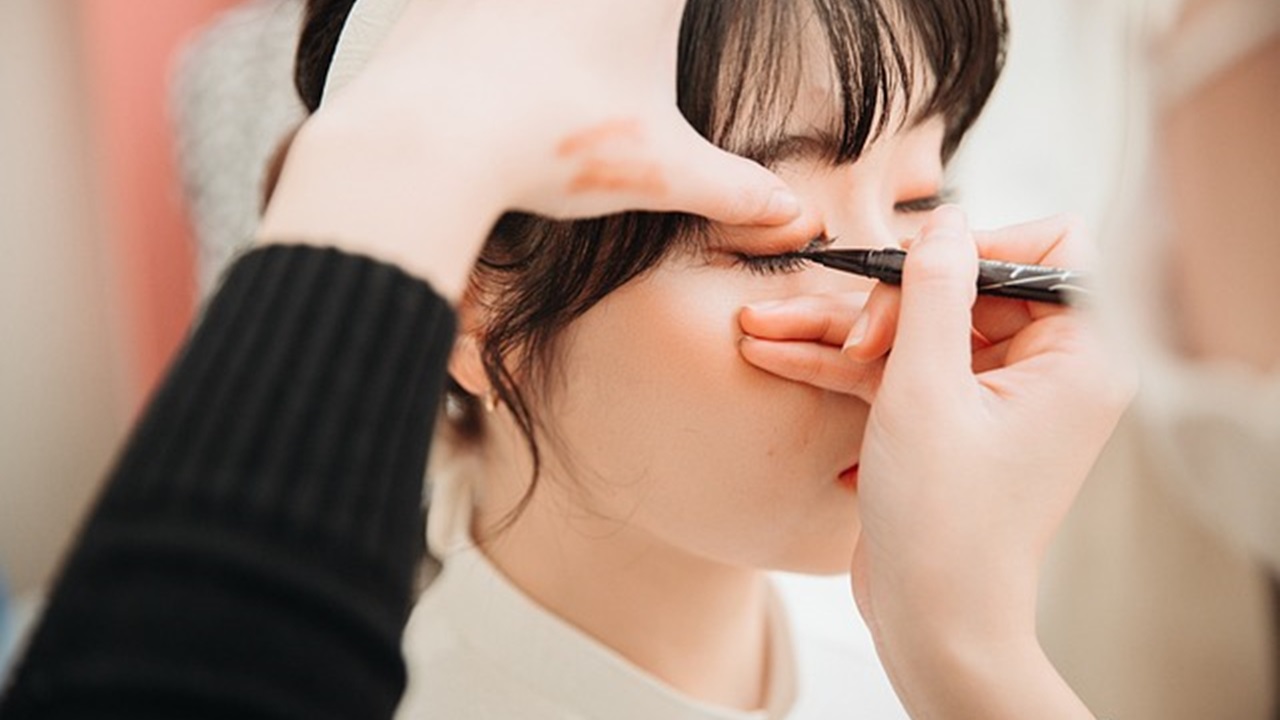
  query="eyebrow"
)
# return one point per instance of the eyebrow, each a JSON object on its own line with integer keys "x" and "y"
{"x": 812, "y": 144}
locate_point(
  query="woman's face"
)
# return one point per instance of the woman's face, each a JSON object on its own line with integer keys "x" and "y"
{"x": 667, "y": 430}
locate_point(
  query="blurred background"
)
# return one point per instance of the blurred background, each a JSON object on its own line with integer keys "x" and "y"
{"x": 133, "y": 138}
{"x": 101, "y": 266}
{"x": 97, "y": 282}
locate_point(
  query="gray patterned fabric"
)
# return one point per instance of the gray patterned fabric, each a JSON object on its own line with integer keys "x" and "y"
{"x": 233, "y": 100}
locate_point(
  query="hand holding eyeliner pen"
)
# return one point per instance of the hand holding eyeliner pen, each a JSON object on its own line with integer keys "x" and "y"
{"x": 999, "y": 279}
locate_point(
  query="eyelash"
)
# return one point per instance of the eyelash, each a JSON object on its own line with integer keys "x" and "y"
{"x": 790, "y": 262}
{"x": 771, "y": 264}
{"x": 781, "y": 263}
{"x": 925, "y": 204}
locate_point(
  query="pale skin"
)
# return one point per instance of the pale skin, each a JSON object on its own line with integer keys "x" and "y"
{"x": 380, "y": 163}
{"x": 681, "y": 471}
{"x": 987, "y": 390}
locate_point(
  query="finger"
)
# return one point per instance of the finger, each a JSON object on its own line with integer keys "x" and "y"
{"x": 819, "y": 318}
{"x": 876, "y": 336}
{"x": 1060, "y": 241}
{"x": 932, "y": 345}
{"x": 811, "y": 363}
{"x": 991, "y": 357}
{"x": 702, "y": 179}
{"x": 872, "y": 333}
{"x": 999, "y": 318}
{"x": 1062, "y": 359}
{"x": 1065, "y": 334}
{"x": 859, "y": 579}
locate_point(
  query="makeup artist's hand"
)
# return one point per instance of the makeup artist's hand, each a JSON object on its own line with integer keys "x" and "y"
{"x": 973, "y": 453}
{"x": 563, "y": 108}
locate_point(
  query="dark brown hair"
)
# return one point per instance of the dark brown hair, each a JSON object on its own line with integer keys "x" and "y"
{"x": 736, "y": 82}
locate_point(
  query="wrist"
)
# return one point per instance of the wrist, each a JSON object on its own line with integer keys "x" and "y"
{"x": 945, "y": 663}
{"x": 964, "y": 597}
{"x": 413, "y": 197}
{"x": 993, "y": 680}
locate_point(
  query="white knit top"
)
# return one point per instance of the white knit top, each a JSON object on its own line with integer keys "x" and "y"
{"x": 478, "y": 647}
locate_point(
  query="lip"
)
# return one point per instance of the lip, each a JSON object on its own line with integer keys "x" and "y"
{"x": 849, "y": 477}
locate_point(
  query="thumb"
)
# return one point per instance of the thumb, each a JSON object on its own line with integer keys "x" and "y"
{"x": 718, "y": 185}
{"x": 939, "y": 286}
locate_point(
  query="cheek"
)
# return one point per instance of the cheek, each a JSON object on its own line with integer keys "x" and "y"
{"x": 670, "y": 428}
{"x": 653, "y": 364}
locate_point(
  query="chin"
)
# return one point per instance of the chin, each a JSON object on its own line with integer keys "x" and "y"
{"x": 825, "y": 566}
{"x": 831, "y": 558}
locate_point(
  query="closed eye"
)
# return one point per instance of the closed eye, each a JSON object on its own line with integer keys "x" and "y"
{"x": 787, "y": 262}
{"x": 925, "y": 204}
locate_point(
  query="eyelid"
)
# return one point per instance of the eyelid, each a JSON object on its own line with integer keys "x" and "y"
{"x": 784, "y": 262}
{"x": 926, "y": 204}
{"x": 814, "y": 145}
{"x": 819, "y": 243}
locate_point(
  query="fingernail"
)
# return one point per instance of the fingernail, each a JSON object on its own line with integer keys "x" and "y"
{"x": 946, "y": 216}
{"x": 766, "y": 306}
{"x": 783, "y": 206}
{"x": 947, "y": 221}
{"x": 978, "y": 340}
{"x": 858, "y": 332}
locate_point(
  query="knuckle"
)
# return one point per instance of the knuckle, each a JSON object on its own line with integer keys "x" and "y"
{"x": 849, "y": 301}
{"x": 825, "y": 325}
{"x": 745, "y": 202}
{"x": 938, "y": 269}
{"x": 925, "y": 266}
{"x": 1073, "y": 244}
{"x": 808, "y": 370}
{"x": 1070, "y": 223}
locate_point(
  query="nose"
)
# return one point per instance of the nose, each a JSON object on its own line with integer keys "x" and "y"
{"x": 854, "y": 220}
{"x": 859, "y": 219}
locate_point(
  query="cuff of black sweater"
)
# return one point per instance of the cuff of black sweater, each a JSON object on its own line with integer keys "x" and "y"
{"x": 301, "y": 407}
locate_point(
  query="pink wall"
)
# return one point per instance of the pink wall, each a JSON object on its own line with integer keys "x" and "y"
{"x": 128, "y": 52}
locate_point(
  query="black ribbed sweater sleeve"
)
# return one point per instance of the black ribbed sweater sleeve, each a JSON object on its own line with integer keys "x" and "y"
{"x": 252, "y": 554}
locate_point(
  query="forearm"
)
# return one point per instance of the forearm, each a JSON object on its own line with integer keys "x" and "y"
{"x": 253, "y": 552}
{"x": 425, "y": 206}
{"x": 994, "y": 680}
{"x": 965, "y": 646}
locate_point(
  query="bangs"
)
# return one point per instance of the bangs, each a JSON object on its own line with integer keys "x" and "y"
{"x": 744, "y": 64}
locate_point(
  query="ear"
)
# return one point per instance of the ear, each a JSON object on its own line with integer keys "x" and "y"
{"x": 465, "y": 364}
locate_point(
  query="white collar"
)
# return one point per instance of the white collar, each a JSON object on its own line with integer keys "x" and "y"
{"x": 543, "y": 651}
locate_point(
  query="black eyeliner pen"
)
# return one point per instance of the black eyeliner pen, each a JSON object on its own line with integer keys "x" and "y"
{"x": 1000, "y": 279}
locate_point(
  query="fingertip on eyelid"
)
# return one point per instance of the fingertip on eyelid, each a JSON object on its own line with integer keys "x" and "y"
{"x": 791, "y": 237}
